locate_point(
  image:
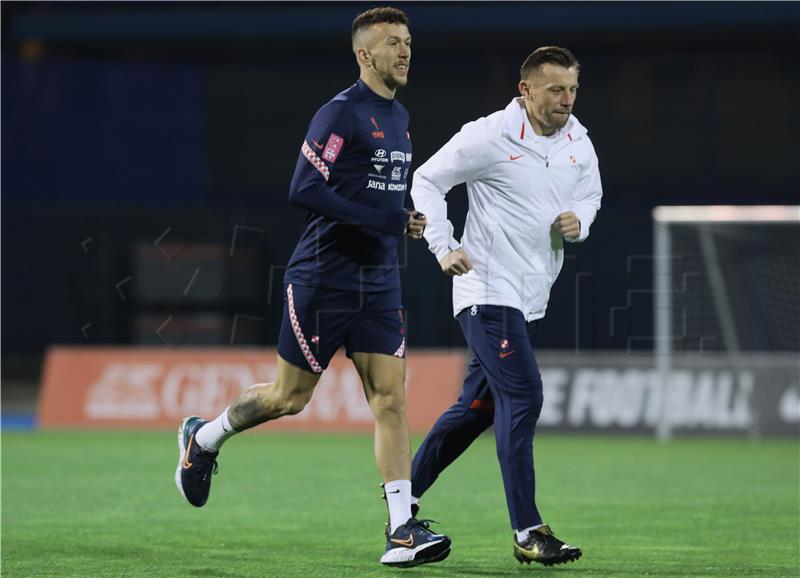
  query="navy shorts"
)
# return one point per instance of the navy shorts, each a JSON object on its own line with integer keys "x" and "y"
{"x": 316, "y": 321}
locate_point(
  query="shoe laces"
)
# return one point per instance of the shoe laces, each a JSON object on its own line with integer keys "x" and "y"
{"x": 547, "y": 539}
{"x": 424, "y": 524}
{"x": 208, "y": 461}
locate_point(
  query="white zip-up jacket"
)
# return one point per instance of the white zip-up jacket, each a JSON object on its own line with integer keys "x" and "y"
{"x": 516, "y": 189}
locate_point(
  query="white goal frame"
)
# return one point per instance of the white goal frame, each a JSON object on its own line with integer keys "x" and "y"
{"x": 663, "y": 217}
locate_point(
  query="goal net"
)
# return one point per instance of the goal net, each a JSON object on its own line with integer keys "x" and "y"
{"x": 727, "y": 283}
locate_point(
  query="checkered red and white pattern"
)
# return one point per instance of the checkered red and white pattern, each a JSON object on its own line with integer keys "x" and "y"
{"x": 315, "y": 160}
{"x": 298, "y": 333}
{"x": 402, "y": 349}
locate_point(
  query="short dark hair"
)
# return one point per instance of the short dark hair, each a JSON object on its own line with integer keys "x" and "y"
{"x": 376, "y": 15}
{"x": 548, "y": 55}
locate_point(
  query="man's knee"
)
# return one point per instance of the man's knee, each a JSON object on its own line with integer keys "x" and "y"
{"x": 535, "y": 402}
{"x": 526, "y": 391}
{"x": 291, "y": 402}
{"x": 392, "y": 401}
{"x": 270, "y": 401}
{"x": 292, "y": 390}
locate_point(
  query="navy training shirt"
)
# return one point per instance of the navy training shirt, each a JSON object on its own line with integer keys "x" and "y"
{"x": 351, "y": 177}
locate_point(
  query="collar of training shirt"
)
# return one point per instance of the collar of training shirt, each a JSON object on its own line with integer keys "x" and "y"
{"x": 517, "y": 127}
{"x": 367, "y": 92}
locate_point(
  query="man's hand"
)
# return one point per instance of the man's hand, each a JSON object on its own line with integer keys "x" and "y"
{"x": 456, "y": 263}
{"x": 416, "y": 224}
{"x": 567, "y": 225}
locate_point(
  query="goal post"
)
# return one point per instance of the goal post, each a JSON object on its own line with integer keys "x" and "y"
{"x": 726, "y": 281}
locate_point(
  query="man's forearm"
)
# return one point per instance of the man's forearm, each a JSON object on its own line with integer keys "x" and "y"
{"x": 324, "y": 201}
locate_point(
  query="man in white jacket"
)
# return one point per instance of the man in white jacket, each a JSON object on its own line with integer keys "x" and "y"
{"x": 533, "y": 182}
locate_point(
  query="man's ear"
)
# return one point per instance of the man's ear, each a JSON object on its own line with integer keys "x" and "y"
{"x": 363, "y": 57}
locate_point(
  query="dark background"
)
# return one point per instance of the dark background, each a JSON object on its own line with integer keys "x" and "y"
{"x": 147, "y": 151}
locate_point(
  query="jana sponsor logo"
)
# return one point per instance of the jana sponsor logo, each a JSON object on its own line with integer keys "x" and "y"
{"x": 379, "y": 186}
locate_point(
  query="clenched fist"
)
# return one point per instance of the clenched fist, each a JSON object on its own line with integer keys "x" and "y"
{"x": 456, "y": 263}
{"x": 568, "y": 225}
{"x": 416, "y": 224}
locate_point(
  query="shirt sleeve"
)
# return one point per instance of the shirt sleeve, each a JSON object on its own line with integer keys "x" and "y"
{"x": 330, "y": 133}
{"x": 462, "y": 159}
{"x": 587, "y": 196}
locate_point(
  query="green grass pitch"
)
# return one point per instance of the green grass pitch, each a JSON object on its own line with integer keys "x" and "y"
{"x": 105, "y": 504}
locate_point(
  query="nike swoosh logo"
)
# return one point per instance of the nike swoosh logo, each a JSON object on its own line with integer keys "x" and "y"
{"x": 186, "y": 463}
{"x": 513, "y": 158}
{"x": 316, "y": 144}
{"x": 408, "y": 543}
{"x": 504, "y": 354}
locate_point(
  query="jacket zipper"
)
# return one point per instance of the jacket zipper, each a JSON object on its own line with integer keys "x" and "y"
{"x": 547, "y": 156}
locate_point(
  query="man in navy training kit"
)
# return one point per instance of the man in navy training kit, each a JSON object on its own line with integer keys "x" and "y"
{"x": 533, "y": 181}
{"x": 342, "y": 284}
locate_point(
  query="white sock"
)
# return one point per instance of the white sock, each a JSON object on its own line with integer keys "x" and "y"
{"x": 398, "y": 498}
{"x": 522, "y": 535}
{"x": 414, "y": 500}
{"x": 213, "y": 434}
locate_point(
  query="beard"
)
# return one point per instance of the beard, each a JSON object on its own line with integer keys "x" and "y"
{"x": 393, "y": 82}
